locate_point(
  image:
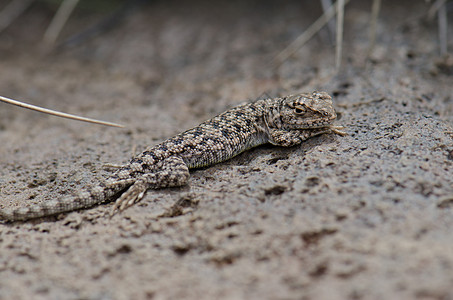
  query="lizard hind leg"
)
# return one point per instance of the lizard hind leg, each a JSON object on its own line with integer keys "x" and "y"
{"x": 172, "y": 172}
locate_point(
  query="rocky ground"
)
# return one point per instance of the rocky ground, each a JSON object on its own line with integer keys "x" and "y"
{"x": 366, "y": 216}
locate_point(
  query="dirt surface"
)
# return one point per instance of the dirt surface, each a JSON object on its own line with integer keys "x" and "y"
{"x": 366, "y": 216}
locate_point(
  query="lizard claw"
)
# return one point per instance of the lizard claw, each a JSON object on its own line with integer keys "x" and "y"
{"x": 337, "y": 129}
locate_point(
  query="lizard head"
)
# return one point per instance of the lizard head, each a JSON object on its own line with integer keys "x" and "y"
{"x": 305, "y": 111}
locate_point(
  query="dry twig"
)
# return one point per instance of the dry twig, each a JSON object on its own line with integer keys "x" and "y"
{"x": 57, "y": 113}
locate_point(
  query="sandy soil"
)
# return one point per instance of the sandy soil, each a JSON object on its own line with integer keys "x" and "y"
{"x": 366, "y": 216}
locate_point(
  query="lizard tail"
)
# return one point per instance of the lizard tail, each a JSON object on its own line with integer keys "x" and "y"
{"x": 85, "y": 199}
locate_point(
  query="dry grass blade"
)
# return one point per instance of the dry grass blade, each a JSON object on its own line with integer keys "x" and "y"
{"x": 440, "y": 7}
{"x": 339, "y": 43}
{"x": 376, "y": 7}
{"x": 13, "y": 10}
{"x": 307, "y": 35}
{"x": 442, "y": 21}
{"x": 57, "y": 113}
{"x": 326, "y": 4}
{"x": 434, "y": 8}
{"x": 58, "y": 21}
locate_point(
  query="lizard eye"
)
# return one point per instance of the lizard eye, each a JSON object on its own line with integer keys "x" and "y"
{"x": 298, "y": 111}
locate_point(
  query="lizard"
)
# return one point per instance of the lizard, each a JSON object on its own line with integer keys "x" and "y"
{"x": 284, "y": 121}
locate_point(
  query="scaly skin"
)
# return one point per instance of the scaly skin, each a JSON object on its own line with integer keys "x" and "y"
{"x": 285, "y": 121}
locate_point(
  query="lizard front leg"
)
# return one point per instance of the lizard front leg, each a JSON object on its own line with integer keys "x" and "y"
{"x": 285, "y": 138}
{"x": 171, "y": 172}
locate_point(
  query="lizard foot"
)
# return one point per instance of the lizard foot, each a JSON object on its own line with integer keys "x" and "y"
{"x": 133, "y": 195}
